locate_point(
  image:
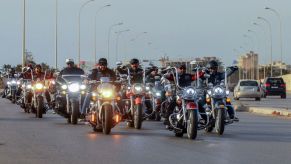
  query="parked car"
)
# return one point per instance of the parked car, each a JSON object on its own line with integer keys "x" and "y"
{"x": 274, "y": 86}
{"x": 247, "y": 89}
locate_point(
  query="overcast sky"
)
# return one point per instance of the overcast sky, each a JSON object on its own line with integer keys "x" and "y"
{"x": 179, "y": 28}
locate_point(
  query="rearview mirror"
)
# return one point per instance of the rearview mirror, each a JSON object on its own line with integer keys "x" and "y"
{"x": 119, "y": 63}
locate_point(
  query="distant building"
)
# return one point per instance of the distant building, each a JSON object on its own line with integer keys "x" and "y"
{"x": 249, "y": 66}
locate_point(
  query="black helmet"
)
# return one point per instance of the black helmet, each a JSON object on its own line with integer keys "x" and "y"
{"x": 102, "y": 61}
{"x": 134, "y": 61}
{"x": 212, "y": 64}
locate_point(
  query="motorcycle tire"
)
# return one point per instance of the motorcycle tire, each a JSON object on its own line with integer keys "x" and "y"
{"x": 39, "y": 107}
{"x": 13, "y": 98}
{"x": 219, "y": 122}
{"x": 192, "y": 124}
{"x": 138, "y": 116}
{"x": 74, "y": 112}
{"x": 107, "y": 119}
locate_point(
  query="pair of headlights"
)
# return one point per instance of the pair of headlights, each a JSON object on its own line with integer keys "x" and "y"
{"x": 75, "y": 87}
{"x": 218, "y": 91}
{"x": 104, "y": 93}
{"x": 13, "y": 82}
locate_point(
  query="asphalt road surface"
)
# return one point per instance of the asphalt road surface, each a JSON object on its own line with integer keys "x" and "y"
{"x": 270, "y": 101}
{"x": 27, "y": 140}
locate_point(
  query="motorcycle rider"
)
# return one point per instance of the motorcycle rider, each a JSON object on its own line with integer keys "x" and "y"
{"x": 39, "y": 75}
{"x": 101, "y": 71}
{"x": 136, "y": 72}
{"x": 71, "y": 69}
{"x": 216, "y": 78}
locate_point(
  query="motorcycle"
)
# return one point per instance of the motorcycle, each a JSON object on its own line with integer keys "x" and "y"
{"x": 11, "y": 91}
{"x": 154, "y": 92}
{"x": 68, "y": 97}
{"x": 134, "y": 101}
{"x": 185, "y": 117}
{"x": 104, "y": 113}
{"x": 217, "y": 105}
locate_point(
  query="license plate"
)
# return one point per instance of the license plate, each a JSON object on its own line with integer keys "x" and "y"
{"x": 274, "y": 87}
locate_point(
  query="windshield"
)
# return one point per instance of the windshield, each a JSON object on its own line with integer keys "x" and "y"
{"x": 275, "y": 81}
{"x": 70, "y": 78}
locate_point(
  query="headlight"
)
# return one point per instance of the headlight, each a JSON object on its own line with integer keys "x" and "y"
{"x": 74, "y": 87}
{"x": 29, "y": 86}
{"x": 64, "y": 87}
{"x": 218, "y": 91}
{"x": 94, "y": 94}
{"x": 83, "y": 87}
{"x": 18, "y": 82}
{"x": 38, "y": 86}
{"x": 227, "y": 92}
{"x": 209, "y": 92}
{"x": 13, "y": 82}
{"x": 147, "y": 88}
{"x": 8, "y": 82}
{"x": 138, "y": 88}
{"x": 106, "y": 93}
{"x": 158, "y": 94}
{"x": 189, "y": 92}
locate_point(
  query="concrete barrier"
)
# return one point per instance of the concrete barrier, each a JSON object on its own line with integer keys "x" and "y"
{"x": 287, "y": 79}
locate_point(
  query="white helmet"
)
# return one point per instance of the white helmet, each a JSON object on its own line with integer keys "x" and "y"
{"x": 69, "y": 61}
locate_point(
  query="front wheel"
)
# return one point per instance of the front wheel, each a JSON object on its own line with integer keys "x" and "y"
{"x": 13, "y": 98}
{"x": 74, "y": 112}
{"x": 39, "y": 107}
{"x": 192, "y": 124}
{"x": 219, "y": 122}
{"x": 138, "y": 116}
{"x": 107, "y": 119}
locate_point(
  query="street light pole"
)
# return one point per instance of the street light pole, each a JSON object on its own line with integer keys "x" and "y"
{"x": 109, "y": 32}
{"x": 56, "y": 37}
{"x": 266, "y": 47}
{"x": 117, "y": 39}
{"x": 281, "y": 40}
{"x": 24, "y": 35}
{"x": 79, "y": 29}
{"x": 95, "y": 32}
{"x": 271, "y": 47}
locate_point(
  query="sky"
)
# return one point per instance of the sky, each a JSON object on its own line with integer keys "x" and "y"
{"x": 176, "y": 28}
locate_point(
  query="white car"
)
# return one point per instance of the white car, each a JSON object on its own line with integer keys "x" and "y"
{"x": 247, "y": 89}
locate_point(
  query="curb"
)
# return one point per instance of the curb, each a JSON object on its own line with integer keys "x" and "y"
{"x": 264, "y": 110}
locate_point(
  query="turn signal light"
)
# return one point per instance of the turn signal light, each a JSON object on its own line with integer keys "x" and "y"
{"x": 228, "y": 100}
{"x": 117, "y": 118}
{"x": 208, "y": 100}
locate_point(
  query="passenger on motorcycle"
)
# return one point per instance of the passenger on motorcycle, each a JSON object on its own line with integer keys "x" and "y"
{"x": 101, "y": 71}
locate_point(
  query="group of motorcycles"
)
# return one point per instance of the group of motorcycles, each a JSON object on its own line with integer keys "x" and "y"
{"x": 201, "y": 106}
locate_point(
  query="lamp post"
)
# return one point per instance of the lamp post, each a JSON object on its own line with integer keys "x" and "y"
{"x": 56, "y": 36}
{"x": 24, "y": 35}
{"x": 79, "y": 29}
{"x": 271, "y": 47}
{"x": 281, "y": 40}
{"x": 109, "y": 32}
{"x": 266, "y": 47}
{"x": 95, "y": 31}
{"x": 118, "y": 33}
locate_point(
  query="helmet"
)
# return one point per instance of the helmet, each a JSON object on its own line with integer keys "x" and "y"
{"x": 102, "y": 61}
{"x": 181, "y": 66}
{"x": 134, "y": 61}
{"x": 69, "y": 61}
{"x": 212, "y": 64}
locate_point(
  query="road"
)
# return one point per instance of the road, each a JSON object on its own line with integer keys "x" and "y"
{"x": 270, "y": 101}
{"x": 27, "y": 140}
